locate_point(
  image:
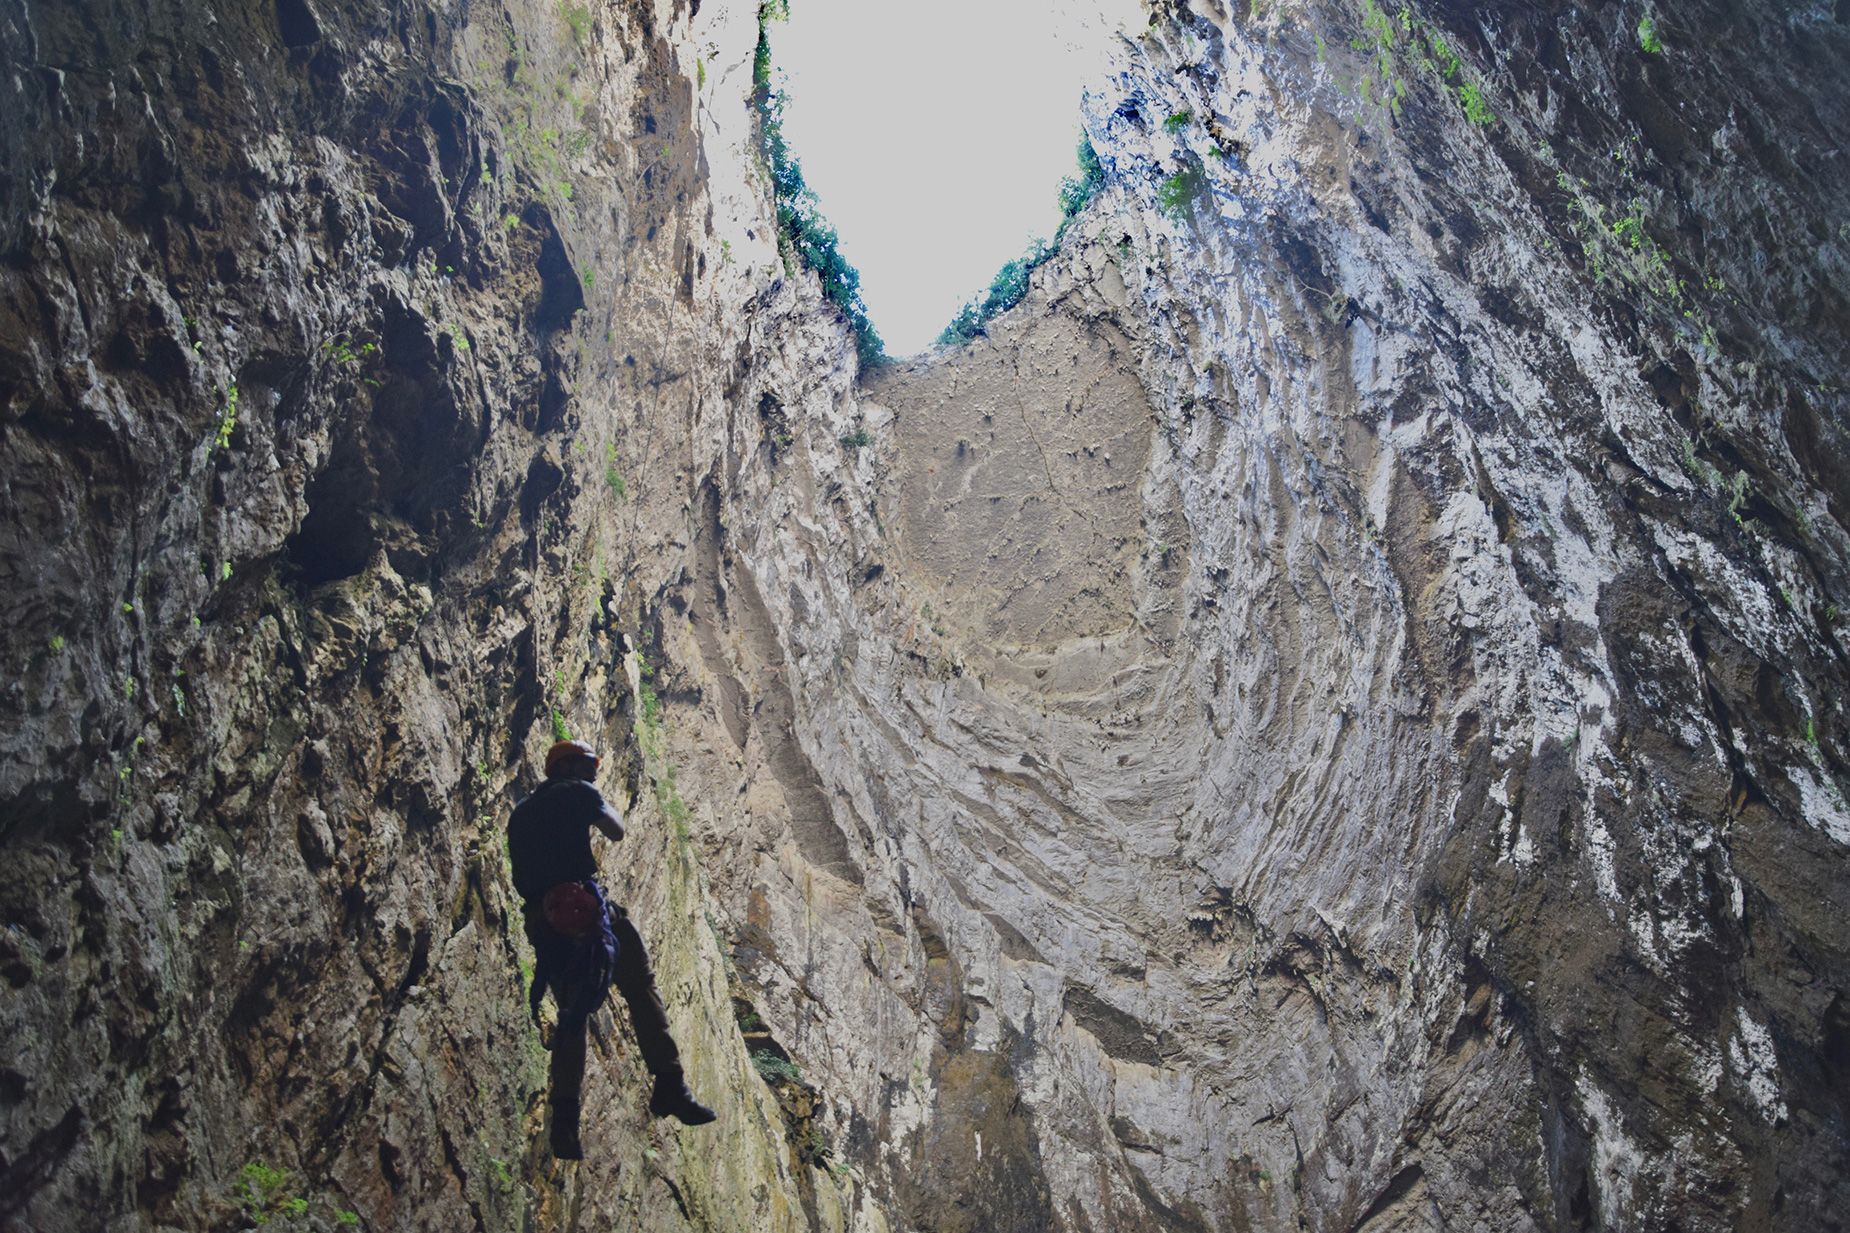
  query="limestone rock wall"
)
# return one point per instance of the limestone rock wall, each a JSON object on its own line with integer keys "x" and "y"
{"x": 356, "y": 363}
{"x": 1381, "y": 768}
{"x": 1329, "y": 716}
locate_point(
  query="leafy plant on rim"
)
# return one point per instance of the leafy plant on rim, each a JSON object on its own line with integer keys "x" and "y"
{"x": 800, "y": 223}
{"x": 1010, "y": 285}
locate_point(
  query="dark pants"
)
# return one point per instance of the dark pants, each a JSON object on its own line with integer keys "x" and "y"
{"x": 580, "y": 973}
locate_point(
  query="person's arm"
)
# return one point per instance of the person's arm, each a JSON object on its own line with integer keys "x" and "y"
{"x": 609, "y": 821}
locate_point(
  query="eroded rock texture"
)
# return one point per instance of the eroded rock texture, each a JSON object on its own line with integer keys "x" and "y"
{"x": 1330, "y": 716}
{"x": 310, "y": 529}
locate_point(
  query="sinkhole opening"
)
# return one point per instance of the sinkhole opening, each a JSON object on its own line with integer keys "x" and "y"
{"x": 924, "y": 155}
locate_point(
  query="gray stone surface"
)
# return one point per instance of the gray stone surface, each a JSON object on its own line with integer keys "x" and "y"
{"x": 1330, "y": 716}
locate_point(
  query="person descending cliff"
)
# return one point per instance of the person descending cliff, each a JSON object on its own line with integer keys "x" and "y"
{"x": 583, "y": 943}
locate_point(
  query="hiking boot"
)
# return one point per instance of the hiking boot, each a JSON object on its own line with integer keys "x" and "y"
{"x": 672, "y": 1099}
{"x": 565, "y": 1145}
{"x": 564, "y": 1136}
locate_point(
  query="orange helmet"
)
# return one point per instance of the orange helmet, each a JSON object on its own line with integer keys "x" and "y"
{"x": 560, "y": 759}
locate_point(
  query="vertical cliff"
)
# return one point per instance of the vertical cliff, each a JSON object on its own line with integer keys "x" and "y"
{"x": 1328, "y": 716}
{"x": 360, "y": 363}
{"x": 1336, "y": 700}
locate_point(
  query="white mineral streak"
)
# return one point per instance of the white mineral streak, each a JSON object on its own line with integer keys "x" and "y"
{"x": 1617, "y": 1160}
{"x": 1755, "y": 1064}
{"x": 1822, "y": 801}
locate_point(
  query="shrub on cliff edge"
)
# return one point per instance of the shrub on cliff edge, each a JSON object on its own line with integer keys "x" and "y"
{"x": 802, "y": 230}
{"x": 1010, "y": 284}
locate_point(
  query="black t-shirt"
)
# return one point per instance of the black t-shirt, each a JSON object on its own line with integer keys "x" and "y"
{"x": 549, "y": 836}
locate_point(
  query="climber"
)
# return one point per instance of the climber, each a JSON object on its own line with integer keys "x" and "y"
{"x": 582, "y": 943}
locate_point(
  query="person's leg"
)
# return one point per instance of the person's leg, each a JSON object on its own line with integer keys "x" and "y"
{"x": 581, "y": 983}
{"x": 545, "y": 960}
{"x": 636, "y": 982}
{"x": 567, "y": 1081}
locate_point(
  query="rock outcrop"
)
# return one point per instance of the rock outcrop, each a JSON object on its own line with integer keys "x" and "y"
{"x": 1329, "y": 716}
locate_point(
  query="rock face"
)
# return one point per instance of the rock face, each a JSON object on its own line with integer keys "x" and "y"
{"x": 1330, "y": 716}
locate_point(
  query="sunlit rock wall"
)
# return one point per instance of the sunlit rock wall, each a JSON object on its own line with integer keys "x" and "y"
{"x": 1380, "y": 768}
{"x": 1329, "y": 716}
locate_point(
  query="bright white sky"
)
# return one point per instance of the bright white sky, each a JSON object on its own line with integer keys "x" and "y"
{"x": 936, "y": 133}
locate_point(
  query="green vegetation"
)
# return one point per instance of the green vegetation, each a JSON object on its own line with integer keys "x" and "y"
{"x": 264, "y": 1192}
{"x": 1736, "y": 490}
{"x": 1010, "y": 284}
{"x": 342, "y": 351}
{"x": 227, "y": 420}
{"x": 1177, "y": 121}
{"x": 559, "y": 731}
{"x": 1702, "y": 470}
{"x": 1623, "y": 252}
{"x": 1077, "y": 191}
{"x": 1336, "y": 304}
{"x": 803, "y": 233}
{"x": 56, "y": 644}
{"x": 1006, "y": 290}
{"x": 858, "y": 439}
{"x": 578, "y": 19}
{"x": 1648, "y": 41}
{"x": 1737, "y": 497}
{"x": 1383, "y": 35}
{"x": 774, "y": 1069}
{"x": 815, "y": 1148}
{"x": 1630, "y": 229}
{"x": 1177, "y": 194}
{"x": 652, "y": 740}
{"x": 612, "y": 476}
{"x": 668, "y": 797}
{"x": 1472, "y": 100}
{"x": 526, "y": 97}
